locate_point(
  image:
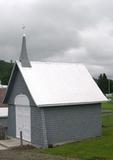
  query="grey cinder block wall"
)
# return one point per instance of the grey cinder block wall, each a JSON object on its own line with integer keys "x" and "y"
{"x": 66, "y": 124}
{"x": 4, "y": 121}
{"x": 62, "y": 124}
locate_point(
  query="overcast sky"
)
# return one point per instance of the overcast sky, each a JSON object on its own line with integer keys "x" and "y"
{"x": 79, "y": 31}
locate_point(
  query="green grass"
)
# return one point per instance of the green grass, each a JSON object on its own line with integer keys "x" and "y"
{"x": 107, "y": 105}
{"x": 100, "y": 148}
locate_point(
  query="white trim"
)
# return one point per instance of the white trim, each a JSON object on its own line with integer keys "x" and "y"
{"x": 45, "y": 141}
{"x": 21, "y": 99}
{"x": 15, "y": 64}
{"x": 71, "y": 104}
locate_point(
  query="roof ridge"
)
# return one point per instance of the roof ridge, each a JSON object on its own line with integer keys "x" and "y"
{"x": 49, "y": 62}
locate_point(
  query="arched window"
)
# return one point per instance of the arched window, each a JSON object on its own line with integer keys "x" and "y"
{"x": 21, "y": 99}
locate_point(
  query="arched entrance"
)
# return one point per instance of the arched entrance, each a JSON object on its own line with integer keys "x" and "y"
{"x": 23, "y": 116}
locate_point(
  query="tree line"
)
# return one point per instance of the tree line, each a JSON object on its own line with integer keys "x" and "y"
{"x": 105, "y": 84}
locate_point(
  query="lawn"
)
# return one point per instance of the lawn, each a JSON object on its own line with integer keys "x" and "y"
{"x": 107, "y": 105}
{"x": 100, "y": 148}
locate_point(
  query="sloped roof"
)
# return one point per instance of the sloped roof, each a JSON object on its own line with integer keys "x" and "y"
{"x": 4, "y": 112}
{"x": 60, "y": 84}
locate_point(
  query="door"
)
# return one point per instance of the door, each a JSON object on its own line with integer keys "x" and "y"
{"x": 23, "y": 117}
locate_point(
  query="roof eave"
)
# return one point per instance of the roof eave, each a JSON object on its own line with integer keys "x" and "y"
{"x": 70, "y": 104}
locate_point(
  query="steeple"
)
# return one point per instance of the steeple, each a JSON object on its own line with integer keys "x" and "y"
{"x": 24, "y": 57}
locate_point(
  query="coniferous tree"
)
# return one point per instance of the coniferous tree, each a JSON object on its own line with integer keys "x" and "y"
{"x": 5, "y": 71}
{"x": 103, "y": 83}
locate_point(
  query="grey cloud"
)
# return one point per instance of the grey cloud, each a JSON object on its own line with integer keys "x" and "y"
{"x": 69, "y": 31}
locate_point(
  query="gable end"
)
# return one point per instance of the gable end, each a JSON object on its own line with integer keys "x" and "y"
{"x": 17, "y": 86}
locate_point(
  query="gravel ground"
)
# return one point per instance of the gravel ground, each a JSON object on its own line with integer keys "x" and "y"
{"x": 28, "y": 154}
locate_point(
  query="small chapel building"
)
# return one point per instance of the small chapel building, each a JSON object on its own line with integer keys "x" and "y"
{"x": 52, "y": 103}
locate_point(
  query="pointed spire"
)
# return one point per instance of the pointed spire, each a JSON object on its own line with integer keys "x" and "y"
{"x": 24, "y": 57}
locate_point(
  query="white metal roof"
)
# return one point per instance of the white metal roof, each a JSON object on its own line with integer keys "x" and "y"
{"x": 3, "y": 86}
{"x": 4, "y": 112}
{"x": 60, "y": 83}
